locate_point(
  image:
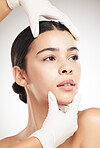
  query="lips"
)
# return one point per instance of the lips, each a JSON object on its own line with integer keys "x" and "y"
{"x": 67, "y": 85}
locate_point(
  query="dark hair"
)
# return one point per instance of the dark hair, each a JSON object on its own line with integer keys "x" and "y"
{"x": 20, "y": 48}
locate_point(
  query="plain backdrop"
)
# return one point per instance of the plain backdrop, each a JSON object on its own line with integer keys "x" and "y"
{"x": 85, "y": 15}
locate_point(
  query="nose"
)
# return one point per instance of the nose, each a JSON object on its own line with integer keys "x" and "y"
{"x": 66, "y": 69}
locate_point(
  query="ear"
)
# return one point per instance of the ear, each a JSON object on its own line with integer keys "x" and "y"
{"x": 19, "y": 76}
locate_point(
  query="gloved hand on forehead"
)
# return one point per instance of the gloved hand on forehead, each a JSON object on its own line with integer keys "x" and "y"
{"x": 58, "y": 126}
{"x": 37, "y": 8}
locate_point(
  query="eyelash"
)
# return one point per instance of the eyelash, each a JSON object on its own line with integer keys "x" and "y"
{"x": 49, "y": 57}
{"x": 75, "y": 58}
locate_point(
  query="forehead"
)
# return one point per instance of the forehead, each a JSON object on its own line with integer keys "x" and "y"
{"x": 53, "y": 39}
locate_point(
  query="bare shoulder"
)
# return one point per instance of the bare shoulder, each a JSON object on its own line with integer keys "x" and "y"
{"x": 89, "y": 127}
{"x": 4, "y": 143}
{"x": 91, "y": 115}
{"x": 9, "y": 141}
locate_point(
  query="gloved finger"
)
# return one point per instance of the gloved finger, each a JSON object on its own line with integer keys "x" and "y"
{"x": 54, "y": 14}
{"x": 77, "y": 99}
{"x": 73, "y": 107}
{"x": 13, "y": 3}
{"x": 34, "y": 24}
{"x": 52, "y": 101}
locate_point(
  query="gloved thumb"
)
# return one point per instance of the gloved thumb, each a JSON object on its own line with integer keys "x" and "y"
{"x": 73, "y": 107}
{"x": 34, "y": 24}
{"x": 52, "y": 101}
{"x": 77, "y": 99}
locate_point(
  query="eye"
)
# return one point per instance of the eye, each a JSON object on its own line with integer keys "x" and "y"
{"x": 75, "y": 57}
{"x": 51, "y": 58}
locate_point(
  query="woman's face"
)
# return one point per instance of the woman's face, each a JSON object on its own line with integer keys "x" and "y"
{"x": 52, "y": 65}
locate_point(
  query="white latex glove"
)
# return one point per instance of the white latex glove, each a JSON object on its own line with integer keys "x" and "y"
{"x": 58, "y": 126}
{"x": 36, "y": 8}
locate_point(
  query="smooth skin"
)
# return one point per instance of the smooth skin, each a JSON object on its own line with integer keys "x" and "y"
{"x": 32, "y": 142}
{"x": 87, "y": 135}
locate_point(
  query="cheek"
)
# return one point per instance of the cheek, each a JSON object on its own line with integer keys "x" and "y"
{"x": 41, "y": 80}
{"x": 46, "y": 76}
{"x": 77, "y": 71}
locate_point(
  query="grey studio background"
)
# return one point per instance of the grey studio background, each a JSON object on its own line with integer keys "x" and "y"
{"x": 85, "y": 16}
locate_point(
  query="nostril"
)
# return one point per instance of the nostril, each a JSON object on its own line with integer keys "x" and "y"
{"x": 64, "y": 71}
{"x": 70, "y": 71}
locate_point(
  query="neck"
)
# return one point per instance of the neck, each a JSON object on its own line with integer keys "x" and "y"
{"x": 37, "y": 114}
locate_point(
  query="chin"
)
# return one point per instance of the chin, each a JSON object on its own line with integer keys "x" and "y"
{"x": 65, "y": 98}
{"x": 64, "y": 102}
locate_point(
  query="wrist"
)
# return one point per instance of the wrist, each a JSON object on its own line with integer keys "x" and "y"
{"x": 45, "y": 137}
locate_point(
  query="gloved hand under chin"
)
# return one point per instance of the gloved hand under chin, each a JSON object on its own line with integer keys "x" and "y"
{"x": 58, "y": 126}
{"x": 64, "y": 108}
{"x": 37, "y": 8}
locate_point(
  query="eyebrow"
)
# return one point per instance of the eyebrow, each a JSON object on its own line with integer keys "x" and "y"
{"x": 57, "y": 49}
